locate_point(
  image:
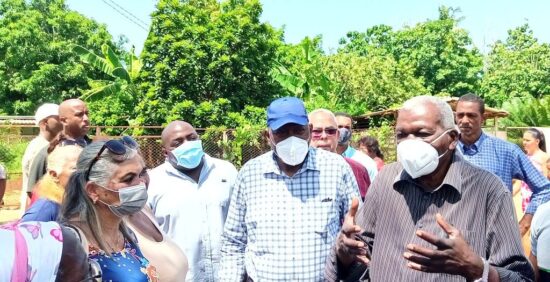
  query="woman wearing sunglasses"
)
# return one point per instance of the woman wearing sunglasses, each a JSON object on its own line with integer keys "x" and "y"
{"x": 109, "y": 184}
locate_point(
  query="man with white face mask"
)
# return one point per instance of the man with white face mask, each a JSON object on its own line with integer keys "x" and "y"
{"x": 432, "y": 216}
{"x": 189, "y": 195}
{"x": 287, "y": 205}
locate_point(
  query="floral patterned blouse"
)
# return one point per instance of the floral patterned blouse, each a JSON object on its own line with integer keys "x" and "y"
{"x": 126, "y": 265}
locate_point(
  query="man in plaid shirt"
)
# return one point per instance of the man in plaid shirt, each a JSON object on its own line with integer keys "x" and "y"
{"x": 287, "y": 205}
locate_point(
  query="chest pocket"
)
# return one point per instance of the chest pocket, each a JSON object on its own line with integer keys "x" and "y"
{"x": 325, "y": 219}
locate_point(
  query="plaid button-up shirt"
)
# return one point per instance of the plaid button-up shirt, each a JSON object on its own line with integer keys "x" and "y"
{"x": 508, "y": 162}
{"x": 280, "y": 227}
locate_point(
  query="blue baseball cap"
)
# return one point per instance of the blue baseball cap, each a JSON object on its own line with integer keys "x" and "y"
{"x": 286, "y": 110}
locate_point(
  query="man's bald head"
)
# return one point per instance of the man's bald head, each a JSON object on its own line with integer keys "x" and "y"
{"x": 176, "y": 133}
{"x": 73, "y": 114}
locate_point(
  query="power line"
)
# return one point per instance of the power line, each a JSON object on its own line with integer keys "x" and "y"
{"x": 128, "y": 12}
{"x": 142, "y": 26}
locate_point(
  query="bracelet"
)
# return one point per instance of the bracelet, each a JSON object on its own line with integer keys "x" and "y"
{"x": 485, "y": 275}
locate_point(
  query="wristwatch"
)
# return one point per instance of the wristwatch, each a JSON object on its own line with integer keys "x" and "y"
{"x": 485, "y": 275}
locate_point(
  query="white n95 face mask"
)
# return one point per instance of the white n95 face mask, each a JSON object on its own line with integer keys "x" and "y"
{"x": 292, "y": 151}
{"x": 417, "y": 157}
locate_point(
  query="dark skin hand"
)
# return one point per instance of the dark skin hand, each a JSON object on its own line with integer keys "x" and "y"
{"x": 452, "y": 255}
{"x": 348, "y": 248}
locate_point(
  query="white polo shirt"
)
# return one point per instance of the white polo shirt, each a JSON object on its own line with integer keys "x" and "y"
{"x": 193, "y": 214}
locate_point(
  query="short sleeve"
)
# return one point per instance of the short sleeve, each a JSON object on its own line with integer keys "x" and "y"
{"x": 2, "y": 172}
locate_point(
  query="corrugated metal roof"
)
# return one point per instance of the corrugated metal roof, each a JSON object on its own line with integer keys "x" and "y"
{"x": 17, "y": 120}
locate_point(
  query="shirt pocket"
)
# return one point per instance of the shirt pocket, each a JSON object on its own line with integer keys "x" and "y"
{"x": 326, "y": 221}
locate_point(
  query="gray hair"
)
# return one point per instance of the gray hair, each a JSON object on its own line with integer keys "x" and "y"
{"x": 322, "y": 111}
{"x": 104, "y": 167}
{"x": 77, "y": 206}
{"x": 446, "y": 115}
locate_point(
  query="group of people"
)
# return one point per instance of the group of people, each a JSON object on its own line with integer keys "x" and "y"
{"x": 313, "y": 208}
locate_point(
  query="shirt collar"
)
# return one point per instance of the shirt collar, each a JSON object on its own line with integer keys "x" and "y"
{"x": 452, "y": 178}
{"x": 310, "y": 163}
{"x": 350, "y": 151}
{"x": 474, "y": 148}
{"x": 207, "y": 166}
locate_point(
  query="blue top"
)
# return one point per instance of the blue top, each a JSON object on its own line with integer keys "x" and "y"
{"x": 42, "y": 210}
{"x": 508, "y": 162}
{"x": 126, "y": 265}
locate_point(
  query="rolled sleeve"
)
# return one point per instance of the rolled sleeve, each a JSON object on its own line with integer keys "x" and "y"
{"x": 538, "y": 183}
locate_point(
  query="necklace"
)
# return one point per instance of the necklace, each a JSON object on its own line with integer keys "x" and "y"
{"x": 116, "y": 244}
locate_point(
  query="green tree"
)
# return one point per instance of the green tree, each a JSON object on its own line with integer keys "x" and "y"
{"x": 305, "y": 77}
{"x": 440, "y": 52}
{"x": 369, "y": 83}
{"x": 203, "y": 50}
{"x": 114, "y": 99}
{"x": 518, "y": 67}
{"x": 35, "y": 64}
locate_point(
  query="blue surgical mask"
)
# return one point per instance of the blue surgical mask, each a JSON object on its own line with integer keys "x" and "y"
{"x": 189, "y": 154}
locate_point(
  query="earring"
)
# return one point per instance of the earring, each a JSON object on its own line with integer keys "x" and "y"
{"x": 95, "y": 201}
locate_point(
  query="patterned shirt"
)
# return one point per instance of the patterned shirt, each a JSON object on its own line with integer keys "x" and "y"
{"x": 281, "y": 228}
{"x": 471, "y": 199}
{"x": 508, "y": 162}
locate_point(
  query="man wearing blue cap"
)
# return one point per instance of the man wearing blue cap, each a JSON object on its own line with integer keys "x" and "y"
{"x": 287, "y": 205}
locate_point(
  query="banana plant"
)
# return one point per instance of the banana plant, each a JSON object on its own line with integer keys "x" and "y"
{"x": 310, "y": 81}
{"x": 527, "y": 112}
{"x": 123, "y": 72}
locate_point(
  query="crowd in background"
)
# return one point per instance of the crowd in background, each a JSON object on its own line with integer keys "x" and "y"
{"x": 308, "y": 210}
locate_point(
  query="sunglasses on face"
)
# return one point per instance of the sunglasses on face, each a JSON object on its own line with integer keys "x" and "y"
{"x": 318, "y": 132}
{"x": 117, "y": 147}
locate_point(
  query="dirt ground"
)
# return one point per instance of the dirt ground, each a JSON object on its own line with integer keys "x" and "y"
{"x": 10, "y": 210}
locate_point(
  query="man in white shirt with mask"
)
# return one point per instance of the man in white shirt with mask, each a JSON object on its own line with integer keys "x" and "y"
{"x": 189, "y": 195}
{"x": 287, "y": 205}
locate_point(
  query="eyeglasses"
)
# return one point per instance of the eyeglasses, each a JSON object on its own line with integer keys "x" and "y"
{"x": 95, "y": 273}
{"x": 117, "y": 147}
{"x": 318, "y": 132}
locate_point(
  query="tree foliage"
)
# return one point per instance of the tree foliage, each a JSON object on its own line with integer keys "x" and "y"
{"x": 371, "y": 83}
{"x": 305, "y": 76}
{"x": 203, "y": 50}
{"x": 112, "y": 100}
{"x": 439, "y": 51}
{"x": 518, "y": 67}
{"x": 35, "y": 64}
{"x": 527, "y": 112}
